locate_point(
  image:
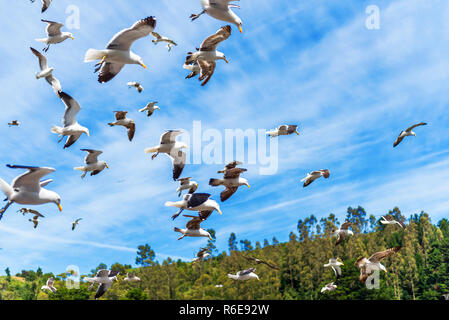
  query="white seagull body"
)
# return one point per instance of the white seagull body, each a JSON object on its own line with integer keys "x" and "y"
{"x": 207, "y": 54}
{"x": 312, "y": 176}
{"x": 283, "y": 130}
{"x": 172, "y": 148}
{"x": 193, "y": 228}
{"x": 195, "y": 202}
{"x": 342, "y": 233}
{"x": 160, "y": 38}
{"x": 54, "y": 34}
{"x": 231, "y": 180}
{"x": 130, "y": 277}
{"x": 335, "y": 265}
{"x": 220, "y": 10}
{"x": 105, "y": 278}
{"x": 75, "y": 223}
{"x": 328, "y": 287}
{"x": 406, "y": 133}
{"x": 368, "y": 266}
{"x": 122, "y": 120}
{"x": 390, "y": 220}
{"x": 201, "y": 255}
{"x": 186, "y": 183}
{"x": 46, "y": 72}
{"x": 150, "y": 108}
{"x": 244, "y": 275}
{"x": 118, "y": 50}
{"x": 35, "y": 221}
{"x": 49, "y": 285}
{"x": 92, "y": 164}
{"x": 71, "y": 128}
{"x": 136, "y": 85}
{"x": 27, "y": 188}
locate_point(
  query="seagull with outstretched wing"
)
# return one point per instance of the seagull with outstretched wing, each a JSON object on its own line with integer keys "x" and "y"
{"x": 406, "y": 133}
{"x": 118, "y": 50}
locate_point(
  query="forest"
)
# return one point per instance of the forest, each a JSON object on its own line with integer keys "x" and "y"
{"x": 419, "y": 271}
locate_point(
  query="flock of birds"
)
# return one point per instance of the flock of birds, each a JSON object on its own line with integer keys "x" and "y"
{"x": 28, "y": 189}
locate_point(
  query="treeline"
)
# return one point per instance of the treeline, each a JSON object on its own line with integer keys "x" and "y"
{"x": 420, "y": 270}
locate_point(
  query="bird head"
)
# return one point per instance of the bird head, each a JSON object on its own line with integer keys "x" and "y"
{"x": 57, "y": 200}
{"x": 86, "y": 131}
{"x": 140, "y": 60}
{"x": 245, "y": 182}
{"x": 183, "y": 145}
{"x": 217, "y": 207}
{"x": 106, "y": 165}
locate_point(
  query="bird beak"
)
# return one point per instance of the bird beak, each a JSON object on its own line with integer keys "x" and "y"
{"x": 240, "y": 29}
{"x": 187, "y": 147}
{"x": 297, "y": 132}
{"x": 59, "y": 207}
{"x": 248, "y": 185}
{"x": 210, "y": 238}
{"x": 143, "y": 65}
{"x": 106, "y": 165}
{"x": 219, "y": 211}
{"x": 226, "y": 60}
{"x": 72, "y": 38}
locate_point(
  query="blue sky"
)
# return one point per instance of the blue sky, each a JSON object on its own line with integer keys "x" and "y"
{"x": 351, "y": 90}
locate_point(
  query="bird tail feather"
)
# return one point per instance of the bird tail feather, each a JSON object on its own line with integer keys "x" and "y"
{"x": 169, "y": 204}
{"x": 177, "y": 230}
{"x": 232, "y": 276}
{"x": 6, "y": 188}
{"x": 151, "y": 150}
{"x": 43, "y": 40}
{"x": 93, "y": 54}
{"x": 214, "y": 182}
{"x": 78, "y": 168}
{"x": 56, "y": 129}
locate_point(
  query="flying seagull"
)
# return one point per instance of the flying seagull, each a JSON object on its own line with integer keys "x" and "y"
{"x": 201, "y": 255}
{"x": 407, "y": 132}
{"x": 368, "y": 266}
{"x": 335, "y": 265}
{"x": 14, "y": 123}
{"x": 92, "y": 164}
{"x": 28, "y": 189}
{"x": 244, "y": 275}
{"x": 46, "y": 72}
{"x": 149, "y": 108}
{"x": 159, "y": 38}
{"x": 185, "y": 184}
{"x": 172, "y": 148}
{"x": 118, "y": 50}
{"x": 195, "y": 202}
{"x": 35, "y": 221}
{"x": 49, "y": 285}
{"x": 131, "y": 277}
{"x": 45, "y": 4}
{"x": 122, "y": 120}
{"x": 221, "y": 10}
{"x": 259, "y": 261}
{"x": 75, "y": 223}
{"x": 136, "y": 85}
{"x": 54, "y": 34}
{"x": 230, "y": 165}
{"x": 342, "y": 233}
{"x": 71, "y": 128}
{"x": 389, "y": 220}
{"x": 231, "y": 180}
{"x": 283, "y": 130}
{"x": 193, "y": 228}
{"x": 194, "y": 69}
{"x": 312, "y": 176}
{"x": 207, "y": 54}
{"x": 328, "y": 287}
{"x": 105, "y": 278}
{"x": 24, "y": 211}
